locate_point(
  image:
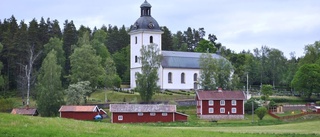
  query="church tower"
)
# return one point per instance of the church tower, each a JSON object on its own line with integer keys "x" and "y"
{"x": 144, "y": 31}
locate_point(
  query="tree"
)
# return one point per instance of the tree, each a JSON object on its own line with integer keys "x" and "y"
{"x": 122, "y": 61}
{"x": 207, "y": 77}
{"x": 248, "y": 105}
{"x": 76, "y": 93}
{"x": 1, "y": 66}
{"x": 148, "y": 78}
{"x": 205, "y": 46}
{"x": 261, "y": 112}
{"x": 215, "y": 72}
{"x": 166, "y": 42}
{"x": 86, "y": 66}
{"x": 266, "y": 91}
{"x": 69, "y": 39}
{"x": 49, "y": 88}
{"x": 307, "y": 79}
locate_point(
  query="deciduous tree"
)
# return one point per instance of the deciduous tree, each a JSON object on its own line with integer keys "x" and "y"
{"x": 147, "y": 80}
{"x": 76, "y": 93}
{"x": 49, "y": 88}
{"x": 307, "y": 79}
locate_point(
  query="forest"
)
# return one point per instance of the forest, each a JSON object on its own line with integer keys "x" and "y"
{"x": 101, "y": 56}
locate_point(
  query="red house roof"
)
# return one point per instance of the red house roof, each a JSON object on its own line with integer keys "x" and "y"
{"x": 142, "y": 108}
{"x": 79, "y": 109}
{"x": 25, "y": 111}
{"x": 215, "y": 95}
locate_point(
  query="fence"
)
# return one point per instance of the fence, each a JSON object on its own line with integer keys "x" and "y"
{"x": 291, "y": 116}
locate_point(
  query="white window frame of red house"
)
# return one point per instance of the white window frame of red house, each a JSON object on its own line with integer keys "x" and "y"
{"x": 211, "y": 110}
{"x": 222, "y": 104}
{"x": 210, "y": 103}
{"x": 233, "y": 102}
{"x": 233, "y": 110}
{"x": 224, "y": 111}
{"x": 164, "y": 114}
{"x": 140, "y": 114}
{"x": 152, "y": 114}
{"x": 120, "y": 117}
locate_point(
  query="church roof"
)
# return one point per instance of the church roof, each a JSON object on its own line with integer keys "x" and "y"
{"x": 178, "y": 59}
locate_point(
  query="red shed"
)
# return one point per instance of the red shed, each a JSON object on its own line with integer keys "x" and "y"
{"x": 220, "y": 104}
{"x": 317, "y": 109}
{"x": 139, "y": 113}
{"x": 25, "y": 111}
{"x": 79, "y": 112}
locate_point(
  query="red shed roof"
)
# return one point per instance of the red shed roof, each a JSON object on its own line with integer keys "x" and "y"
{"x": 79, "y": 109}
{"x": 142, "y": 108}
{"x": 25, "y": 111}
{"x": 215, "y": 95}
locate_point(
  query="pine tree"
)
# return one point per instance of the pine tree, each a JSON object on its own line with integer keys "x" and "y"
{"x": 50, "y": 92}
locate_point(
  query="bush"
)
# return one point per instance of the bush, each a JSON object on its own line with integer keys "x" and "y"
{"x": 6, "y": 104}
{"x": 261, "y": 112}
{"x": 248, "y": 106}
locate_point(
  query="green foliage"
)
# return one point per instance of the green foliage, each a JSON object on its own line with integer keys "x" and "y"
{"x": 166, "y": 41}
{"x": 76, "y": 93}
{"x": 49, "y": 88}
{"x": 248, "y": 106}
{"x": 205, "y": 46}
{"x": 7, "y": 104}
{"x": 122, "y": 63}
{"x": 266, "y": 91}
{"x": 261, "y": 112}
{"x": 147, "y": 80}
{"x": 86, "y": 66}
{"x": 1, "y": 66}
{"x": 215, "y": 72}
{"x": 307, "y": 79}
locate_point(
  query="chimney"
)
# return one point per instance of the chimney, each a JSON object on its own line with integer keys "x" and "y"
{"x": 219, "y": 89}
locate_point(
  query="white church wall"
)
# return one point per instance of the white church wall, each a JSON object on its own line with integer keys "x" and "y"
{"x": 176, "y": 78}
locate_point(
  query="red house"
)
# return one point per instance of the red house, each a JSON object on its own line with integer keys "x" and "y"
{"x": 79, "y": 112}
{"x": 139, "y": 113}
{"x": 220, "y": 104}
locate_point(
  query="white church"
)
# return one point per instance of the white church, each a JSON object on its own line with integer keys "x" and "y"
{"x": 178, "y": 70}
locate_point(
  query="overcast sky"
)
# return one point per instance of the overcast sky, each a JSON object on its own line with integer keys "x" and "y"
{"x": 287, "y": 25}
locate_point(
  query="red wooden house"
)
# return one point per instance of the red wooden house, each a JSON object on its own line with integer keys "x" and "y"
{"x": 220, "y": 104}
{"x": 80, "y": 112}
{"x": 139, "y": 113}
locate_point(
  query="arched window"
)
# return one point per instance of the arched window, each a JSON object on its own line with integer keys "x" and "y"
{"x": 136, "y": 59}
{"x": 183, "y": 78}
{"x": 151, "y": 39}
{"x": 169, "y": 77}
{"x": 195, "y": 77}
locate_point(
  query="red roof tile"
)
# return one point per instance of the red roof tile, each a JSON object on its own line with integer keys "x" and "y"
{"x": 25, "y": 111}
{"x": 79, "y": 109}
{"x": 215, "y": 95}
{"x": 142, "y": 108}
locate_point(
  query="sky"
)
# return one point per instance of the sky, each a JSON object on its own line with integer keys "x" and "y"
{"x": 286, "y": 25}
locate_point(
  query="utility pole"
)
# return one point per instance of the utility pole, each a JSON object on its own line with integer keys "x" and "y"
{"x": 252, "y": 111}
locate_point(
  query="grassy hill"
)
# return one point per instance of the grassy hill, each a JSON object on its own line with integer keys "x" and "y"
{"x": 21, "y": 126}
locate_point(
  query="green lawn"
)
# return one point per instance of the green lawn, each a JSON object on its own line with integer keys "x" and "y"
{"x": 115, "y": 97}
{"x": 24, "y": 126}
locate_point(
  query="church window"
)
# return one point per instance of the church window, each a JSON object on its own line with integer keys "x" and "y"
{"x": 183, "y": 78}
{"x": 136, "y": 40}
{"x": 151, "y": 39}
{"x": 195, "y": 77}
{"x": 169, "y": 77}
{"x": 136, "y": 59}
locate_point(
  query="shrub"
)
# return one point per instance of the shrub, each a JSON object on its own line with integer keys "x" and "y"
{"x": 261, "y": 112}
{"x": 248, "y": 106}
